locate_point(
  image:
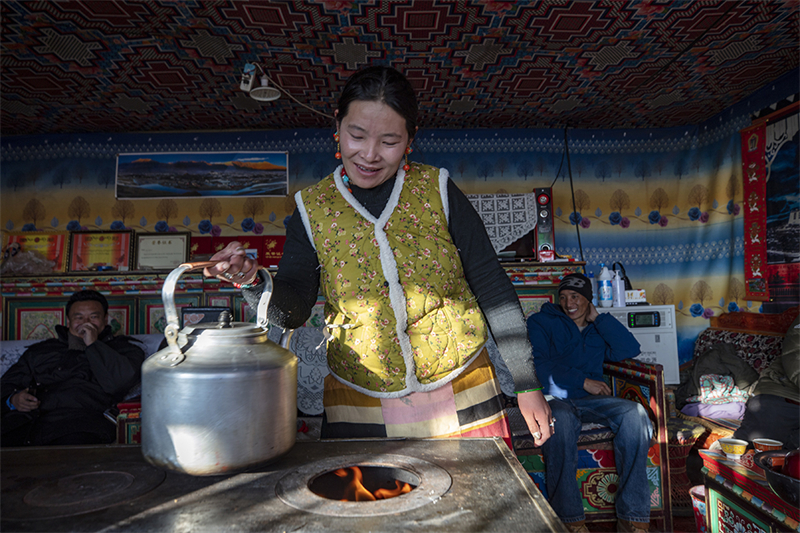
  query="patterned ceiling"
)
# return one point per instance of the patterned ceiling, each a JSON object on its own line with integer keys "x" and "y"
{"x": 74, "y": 66}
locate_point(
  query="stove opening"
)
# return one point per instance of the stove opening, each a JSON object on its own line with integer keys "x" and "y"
{"x": 364, "y": 483}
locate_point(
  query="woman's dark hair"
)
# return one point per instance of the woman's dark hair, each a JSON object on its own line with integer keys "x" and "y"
{"x": 87, "y": 296}
{"x": 381, "y": 84}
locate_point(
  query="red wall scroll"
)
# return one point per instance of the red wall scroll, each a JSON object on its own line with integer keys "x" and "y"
{"x": 754, "y": 177}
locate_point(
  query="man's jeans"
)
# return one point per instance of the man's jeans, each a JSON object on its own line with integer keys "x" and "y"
{"x": 632, "y": 429}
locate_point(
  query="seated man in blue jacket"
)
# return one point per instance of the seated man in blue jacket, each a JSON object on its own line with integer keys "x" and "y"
{"x": 58, "y": 390}
{"x": 570, "y": 343}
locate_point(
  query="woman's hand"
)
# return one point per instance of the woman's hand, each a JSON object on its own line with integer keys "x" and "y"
{"x": 536, "y": 411}
{"x": 592, "y": 386}
{"x": 233, "y": 265}
{"x": 24, "y": 402}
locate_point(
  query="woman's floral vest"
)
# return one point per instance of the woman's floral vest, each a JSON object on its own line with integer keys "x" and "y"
{"x": 401, "y": 315}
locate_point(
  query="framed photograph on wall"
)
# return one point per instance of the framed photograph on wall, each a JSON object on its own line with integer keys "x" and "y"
{"x": 202, "y": 174}
{"x": 103, "y": 251}
{"x": 161, "y": 251}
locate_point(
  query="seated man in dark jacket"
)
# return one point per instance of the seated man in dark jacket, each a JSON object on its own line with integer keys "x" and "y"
{"x": 570, "y": 343}
{"x": 773, "y": 411}
{"x": 58, "y": 390}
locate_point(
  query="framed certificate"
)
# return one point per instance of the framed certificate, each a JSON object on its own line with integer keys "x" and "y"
{"x": 50, "y": 248}
{"x": 104, "y": 251}
{"x": 162, "y": 251}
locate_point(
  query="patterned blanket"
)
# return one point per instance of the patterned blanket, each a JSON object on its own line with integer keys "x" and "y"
{"x": 717, "y": 389}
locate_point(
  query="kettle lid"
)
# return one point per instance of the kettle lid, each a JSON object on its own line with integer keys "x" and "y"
{"x": 224, "y": 327}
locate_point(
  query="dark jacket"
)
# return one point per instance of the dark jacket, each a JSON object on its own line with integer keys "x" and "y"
{"x": 73, "y": 384}
{"x": 565, "y": 356}
{"x": 782, "y": 376}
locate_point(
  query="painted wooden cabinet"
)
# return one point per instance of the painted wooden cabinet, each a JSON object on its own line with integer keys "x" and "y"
{"x": 33, "y": 306}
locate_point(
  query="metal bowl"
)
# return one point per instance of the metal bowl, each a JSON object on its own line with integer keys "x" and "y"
{"x": 786, "y": 487}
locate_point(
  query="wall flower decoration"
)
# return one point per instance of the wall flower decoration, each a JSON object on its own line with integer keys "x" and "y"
{"x": 625, "y": 222}
{"x": 694, "y": 213}
{"x": 663, "y": 221}
{"x": 247, "y": 224}
{"x": 696, "y": 310}
{"x": 654, "y": 217}
{"x": 614, "y": 218}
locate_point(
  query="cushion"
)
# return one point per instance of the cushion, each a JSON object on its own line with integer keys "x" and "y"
{"x": 757, "y": 350}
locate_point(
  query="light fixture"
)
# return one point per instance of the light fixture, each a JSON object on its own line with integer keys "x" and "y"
{"x": 264, "y": 93}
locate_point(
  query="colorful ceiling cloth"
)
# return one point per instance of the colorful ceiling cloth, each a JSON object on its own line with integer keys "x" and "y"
{"x": 82, "y": 66}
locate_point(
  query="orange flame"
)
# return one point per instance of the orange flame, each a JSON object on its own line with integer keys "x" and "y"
{"x": 357, "y": 492}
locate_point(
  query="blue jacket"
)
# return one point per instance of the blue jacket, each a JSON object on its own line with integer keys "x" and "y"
{"x": 565, "y": 356}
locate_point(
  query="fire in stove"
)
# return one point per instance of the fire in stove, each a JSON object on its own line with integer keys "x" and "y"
{"x": 364, "y": 483}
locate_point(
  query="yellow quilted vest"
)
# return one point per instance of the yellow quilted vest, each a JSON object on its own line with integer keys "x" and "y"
{"x": 398, "y": 307}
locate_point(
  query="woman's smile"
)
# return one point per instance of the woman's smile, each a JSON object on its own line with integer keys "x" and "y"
{"x": 373, "y": 140}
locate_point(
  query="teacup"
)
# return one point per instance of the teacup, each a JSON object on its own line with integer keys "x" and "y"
{"x": 766, "y": 445}
{"x": 733, "y": 448}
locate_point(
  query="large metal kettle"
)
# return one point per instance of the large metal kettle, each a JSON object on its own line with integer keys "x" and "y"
{"x": 220, "y": 397}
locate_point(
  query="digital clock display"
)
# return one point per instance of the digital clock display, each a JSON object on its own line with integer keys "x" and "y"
{"x": 649, "y": 319}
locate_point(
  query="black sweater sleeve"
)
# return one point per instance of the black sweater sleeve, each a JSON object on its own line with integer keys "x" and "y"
{"x": 490, "y": 284}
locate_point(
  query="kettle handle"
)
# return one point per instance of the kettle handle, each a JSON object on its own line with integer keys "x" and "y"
{"x": 168, "y": 297}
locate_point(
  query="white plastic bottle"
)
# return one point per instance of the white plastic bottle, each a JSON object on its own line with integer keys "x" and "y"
{"x": 593, "y": 283}
{"x": 605, "y": 290}
{"x": 618, "y": 289}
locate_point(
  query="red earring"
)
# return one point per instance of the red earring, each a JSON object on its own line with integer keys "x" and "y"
{"x": 338, "y": 154}
{"x": 407, "y": 167}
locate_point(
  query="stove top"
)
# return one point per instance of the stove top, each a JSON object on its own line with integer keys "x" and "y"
{"x": 463, "y": 485}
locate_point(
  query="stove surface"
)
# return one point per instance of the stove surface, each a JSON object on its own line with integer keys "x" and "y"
{"x": 467, "y": 485}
